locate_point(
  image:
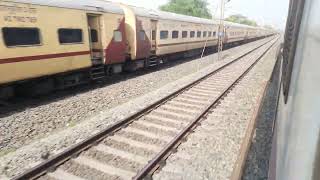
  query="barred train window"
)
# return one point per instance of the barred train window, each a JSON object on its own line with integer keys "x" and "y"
{"x": 94, "y": 35}
{"x": 214, "y": 34}
{"x": 199, "y": 34}
{"x": 117, "y": 36}
{"x": 175, "y": 34}
{"x": 164, "y": 34}
{"x": 192, "y": 34}
{"x": 204, "y": 33}
{"x": 184, "y": 34}
{"x": 142, "y": 35}
{"x": 21, "y": 36}
{"x": 67, "y": 36}
{"x": 153, "y": 35}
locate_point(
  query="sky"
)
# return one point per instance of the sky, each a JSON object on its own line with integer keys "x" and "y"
{"x": 264, "y": 12}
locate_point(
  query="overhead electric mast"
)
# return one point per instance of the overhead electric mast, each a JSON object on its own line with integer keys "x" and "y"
{"x": 221, "y": 29}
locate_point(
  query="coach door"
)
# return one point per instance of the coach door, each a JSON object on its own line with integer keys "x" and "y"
{"x": 153, "y": 35}
{"x": 225, "y": 33}
{"x": 96, "y": 48}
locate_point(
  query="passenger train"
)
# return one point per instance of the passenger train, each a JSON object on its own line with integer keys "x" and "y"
{"x": 47, "y": 45}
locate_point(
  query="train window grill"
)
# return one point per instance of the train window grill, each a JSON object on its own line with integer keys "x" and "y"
{"x": 192, "y": 34}
{"x": 214, "y": 34}
{"x": 153, "y": 35}
{"x": 199, "y": 34}
{"x": 21, "y": 36}
{"x": 94, "y": 35}
{"x": 184, "y": 34}
{"x": 209, "y": 34}
{"x": 204, "y": 33}
{"x": 175, "y": 34}
{"x": 164, "y": 34}
{"x": 70, "y": 36}
{"x": 117, "y": 36}
{"x": 142, "y": 35}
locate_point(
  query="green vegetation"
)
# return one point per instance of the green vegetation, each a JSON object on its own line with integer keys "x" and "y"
{"x": 238, "y": 18}
{"x": 268, "y": 27}
{"x": 197, "y": 8}
{"x": 6, "y": 151}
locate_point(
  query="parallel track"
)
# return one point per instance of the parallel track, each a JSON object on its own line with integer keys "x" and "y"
{"x": 163, "y": 125}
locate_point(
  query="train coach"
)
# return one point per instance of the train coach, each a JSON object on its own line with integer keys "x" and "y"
{"x": 72, "y": 40}
{"x": 47, "y": 45}
{"x": 160, "y": 35}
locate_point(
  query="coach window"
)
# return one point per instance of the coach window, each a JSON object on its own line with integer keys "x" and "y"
{"x": 142, "y": 35}
{"x": 199, "y": 34}
{"x": 70, "y": 36}
{"x": 175, "y": 34}
{"x": 209, "y": 33}
{"x": 153, "y": 35}
{"x": 117, "y": 36}
{"x": 192, "y": 34}
{"x": 204, "y": 33}
{"x": 164, "y": 34}
{"x": 184, "y": 34}
{"x": 94, "y": 35}
{"x": 21, "y": 36}
{"x": 214, "y": 34}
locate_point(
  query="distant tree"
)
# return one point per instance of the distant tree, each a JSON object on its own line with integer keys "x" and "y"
{"x": 268, "y": 27}
{"x": 197, "y": 8}
{"x": 238, "y": 18}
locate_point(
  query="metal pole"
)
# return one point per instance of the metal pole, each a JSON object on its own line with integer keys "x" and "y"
{"x": 204, "y": 48}
{"x": 221, "y": 30}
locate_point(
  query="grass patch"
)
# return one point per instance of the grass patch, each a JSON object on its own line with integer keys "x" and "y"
{"x": 6, "y": 151}
{"x": 72, "y": 124}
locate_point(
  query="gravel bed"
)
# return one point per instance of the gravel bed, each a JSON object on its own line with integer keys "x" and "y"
{"x": 171, "y": 116}
{"x": 215, "y": 144}
{"x": 128, "y": 148}
{"x": 257, "y": 164}
{"x": 93, "y": 109}
{"x": 176, "y": 124}
{"x": 142, "y": 139}
{"x": 155, "y": 130}
{"x": 86, "y": 172}
{"x": 113, "y": 160}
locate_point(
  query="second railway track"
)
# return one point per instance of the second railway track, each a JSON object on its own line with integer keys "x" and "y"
{"x": 136, "y": 147}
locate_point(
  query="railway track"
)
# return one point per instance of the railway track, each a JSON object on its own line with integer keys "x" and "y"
{"x": 137, "y": 146}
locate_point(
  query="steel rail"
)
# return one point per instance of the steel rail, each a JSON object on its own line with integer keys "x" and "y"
{"x": 152, "y": 165}
{"x": 76, "y": 149}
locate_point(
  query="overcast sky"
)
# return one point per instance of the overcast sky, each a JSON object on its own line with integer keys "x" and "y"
{"x": 272, "y": 12}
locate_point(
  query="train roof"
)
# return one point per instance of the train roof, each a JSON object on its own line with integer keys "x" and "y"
{"x": 89, "y": 5}
{"x": 111, "y": 7}
{"x": 157, "y": 14}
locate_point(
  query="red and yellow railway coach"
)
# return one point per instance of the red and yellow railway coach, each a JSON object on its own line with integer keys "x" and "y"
{"x": 41, "y": 38}
{"x": 167, "y": 34}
